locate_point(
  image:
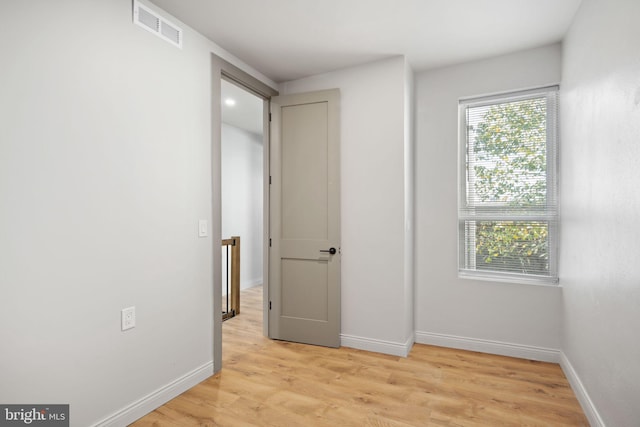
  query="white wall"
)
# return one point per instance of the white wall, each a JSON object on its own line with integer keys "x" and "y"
{"x": 373, "y": 219}
{"x": 242, "y": 157}
{"x": 600, "y": 195}
{"x": 465, "y": 313}
{"x": 105, "y": 170}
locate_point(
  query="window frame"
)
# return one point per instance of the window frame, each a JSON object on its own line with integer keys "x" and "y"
{"x": 548, "y": 213}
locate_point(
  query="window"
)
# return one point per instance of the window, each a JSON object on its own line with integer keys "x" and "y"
{"x": 507, "y": 204}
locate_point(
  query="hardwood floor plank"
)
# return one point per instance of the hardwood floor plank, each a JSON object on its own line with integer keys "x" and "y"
{"x": 276, "y": 383}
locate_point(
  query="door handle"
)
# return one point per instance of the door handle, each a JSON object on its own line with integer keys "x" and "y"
{"x": 332, "y": 251}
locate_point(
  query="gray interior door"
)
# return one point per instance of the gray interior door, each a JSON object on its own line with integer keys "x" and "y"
{"x": 304, "y": 256}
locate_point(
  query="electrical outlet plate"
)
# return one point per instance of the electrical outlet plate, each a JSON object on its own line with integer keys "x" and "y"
{"x": 128, "y": 318}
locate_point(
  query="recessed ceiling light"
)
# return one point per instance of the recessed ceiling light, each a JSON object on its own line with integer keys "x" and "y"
{"x": 230, "y": 102}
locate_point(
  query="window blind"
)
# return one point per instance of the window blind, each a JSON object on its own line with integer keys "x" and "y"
{"x": 507, "y": 207}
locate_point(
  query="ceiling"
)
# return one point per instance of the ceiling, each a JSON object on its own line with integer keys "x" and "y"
{"x": 290, "y": 39}
{"x": 246, "y": 111}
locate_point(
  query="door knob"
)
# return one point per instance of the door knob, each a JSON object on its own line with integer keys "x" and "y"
{"x": 332, "y": 251}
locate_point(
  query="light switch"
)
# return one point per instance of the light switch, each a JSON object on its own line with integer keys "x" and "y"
{"x": 202, "y": 228}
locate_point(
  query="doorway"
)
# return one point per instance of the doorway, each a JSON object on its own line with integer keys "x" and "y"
{"x": 306, "y": 147}
{"x": 229, "y": 73}
{"x": 242, "y": 154}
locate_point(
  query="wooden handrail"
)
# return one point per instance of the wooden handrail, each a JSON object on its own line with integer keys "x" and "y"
{"x": 234, "y": 291}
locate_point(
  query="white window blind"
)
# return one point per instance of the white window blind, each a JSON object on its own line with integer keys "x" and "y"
{"x": 507, "y": 205}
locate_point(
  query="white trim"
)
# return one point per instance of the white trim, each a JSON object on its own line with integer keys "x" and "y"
{"x": 513, "y": 278}
{"x": 541, "y": 354}
{"x": 534, "y": 90}
{"x": 157, "y": 398}
{"x": 377, "y": 346}
{"x": 581, "y": 392}
{"x": 251, "y": 283}
{"x": 248, "y": 284}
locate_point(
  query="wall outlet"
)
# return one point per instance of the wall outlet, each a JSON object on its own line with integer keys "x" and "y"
{"x": 128, "y": 318}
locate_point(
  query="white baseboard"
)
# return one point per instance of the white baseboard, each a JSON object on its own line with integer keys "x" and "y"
{"x": 377, "y": 346}
{"x": 248, "y": 284}
{"x": 492, "y": 347}
{"x": 581, "y": 393}
{"x": 157, "y": 398}
{"x": 251, "y": 283}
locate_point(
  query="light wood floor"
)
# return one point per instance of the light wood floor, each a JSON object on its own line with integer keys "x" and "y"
{"x": 273, "y": 383}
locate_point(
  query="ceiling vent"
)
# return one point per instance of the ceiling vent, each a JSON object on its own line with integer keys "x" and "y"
{"x": 151, "y": 21}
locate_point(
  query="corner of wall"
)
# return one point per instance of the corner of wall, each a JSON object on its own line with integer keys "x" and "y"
{"x": 581, "y": 393}
{"x": 157, "y": 398}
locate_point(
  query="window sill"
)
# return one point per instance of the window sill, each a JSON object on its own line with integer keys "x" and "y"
{"x": 517, "y": 279}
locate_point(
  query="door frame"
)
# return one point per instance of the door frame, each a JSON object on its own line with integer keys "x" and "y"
{"x": 221, "y": 69}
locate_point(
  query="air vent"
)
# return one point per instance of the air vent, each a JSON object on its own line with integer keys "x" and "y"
{"x": 148, "y": 20}
{"x": 152, "y": 22}
{"x": 171, "y": 33}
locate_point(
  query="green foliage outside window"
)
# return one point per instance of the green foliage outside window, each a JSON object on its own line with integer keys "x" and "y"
{"x": 511, "y": 246}
{"x": 510, "y": 170}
